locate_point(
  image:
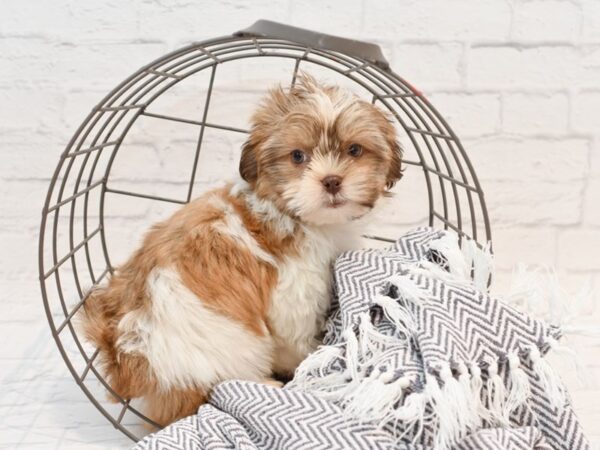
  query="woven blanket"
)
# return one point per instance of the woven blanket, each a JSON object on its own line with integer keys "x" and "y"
{"x": 416, "y": 355}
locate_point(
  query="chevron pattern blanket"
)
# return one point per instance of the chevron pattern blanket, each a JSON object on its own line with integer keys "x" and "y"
{"x": 416, "y": 355}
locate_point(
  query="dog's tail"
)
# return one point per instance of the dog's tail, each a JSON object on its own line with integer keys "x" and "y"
{"x": 93, "y": 320}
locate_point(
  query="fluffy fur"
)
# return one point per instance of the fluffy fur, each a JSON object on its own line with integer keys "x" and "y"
{"x": 236, "y": 284}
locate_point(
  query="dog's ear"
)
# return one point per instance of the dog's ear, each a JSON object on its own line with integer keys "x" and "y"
{"x": 395, "y": 168}
{"x": 248, "y": 163}
{"x": 272, "y": 108}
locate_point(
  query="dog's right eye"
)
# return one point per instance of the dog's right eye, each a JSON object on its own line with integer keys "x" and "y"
{"x": 298, "y": 156}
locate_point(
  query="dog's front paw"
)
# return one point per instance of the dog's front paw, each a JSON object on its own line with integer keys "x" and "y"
{"x": 273, "y": 382}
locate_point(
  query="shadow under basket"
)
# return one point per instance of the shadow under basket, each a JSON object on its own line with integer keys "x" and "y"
{"x": 166, "y": 134}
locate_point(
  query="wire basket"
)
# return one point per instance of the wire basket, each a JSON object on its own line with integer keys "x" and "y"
{"x": 166, "y": 133}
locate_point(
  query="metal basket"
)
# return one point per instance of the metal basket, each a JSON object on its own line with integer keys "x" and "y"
{"x": 74, "y": 250}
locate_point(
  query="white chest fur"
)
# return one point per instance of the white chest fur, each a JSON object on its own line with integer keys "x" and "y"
{"x": 302, "y": 297}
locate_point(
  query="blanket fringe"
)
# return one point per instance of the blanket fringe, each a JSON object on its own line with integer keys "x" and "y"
{"x": 519, "y": 390}
{"x": 375, "y": 397}
{"x": 401, "y": 317}
{"x": 447, "y": 425}
{"x": 548, "y": 377}
{"x": 412, "y": 415}
{"x": 458, "y": 396}
{"x": 496, "y": 394}
{"x": 316, "y": 364}
{"x": 468, "y": 262}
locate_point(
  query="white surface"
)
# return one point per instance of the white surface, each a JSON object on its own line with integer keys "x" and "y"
{"x": 519, "y": 82}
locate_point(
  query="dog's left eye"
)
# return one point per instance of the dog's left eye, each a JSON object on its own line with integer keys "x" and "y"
{"x": 355, "y": 150}
{"x": 298, "y": 156}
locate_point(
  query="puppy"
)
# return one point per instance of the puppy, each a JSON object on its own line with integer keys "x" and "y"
{"x": 236, "y": 284}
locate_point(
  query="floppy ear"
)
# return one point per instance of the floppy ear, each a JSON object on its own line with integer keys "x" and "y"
{"x": 395, "y": 167}
{"x": 248, "y": 163}
{"x": 272, "y": 108}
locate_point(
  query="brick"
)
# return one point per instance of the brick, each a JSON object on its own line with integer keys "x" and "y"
{"x": 469, "y": 114}
{"x": 31, "y": 162}
{"x": 23, "y": 199}
{"x": 62, "y": 66}
{"x": 554, "y": 21}
{"x": 435, "y": 20}
{"x": 503, "y": 67}
{"x": 590, "y": 67}
{"x": 429, "y": 66}
{"x": 586, "y": 112}
{"x": 529, "y": 160}
{"x": 303, "y": 15}
{"x": 591, "y": 20}
{"x": 31, "y": 110}
{"x": 535, "y": 113}
{"x": 539, "y": 203}
{"x": 70, "y": 20}
{"x": 579, "y": 249}
{"x": 595, "y": 159}
{"x": 208, "y": 21}
{"x": 531, "y": 246}
{"x": 592, "y": 203}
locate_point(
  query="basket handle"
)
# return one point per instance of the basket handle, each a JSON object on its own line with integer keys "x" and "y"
{"x": 364, "y": 50}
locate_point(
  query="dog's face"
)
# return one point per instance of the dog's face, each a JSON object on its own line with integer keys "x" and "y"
{"x": 320, "y": 153}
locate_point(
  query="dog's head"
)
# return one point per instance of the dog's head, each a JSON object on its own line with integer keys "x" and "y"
{"x": 320, "y": 153}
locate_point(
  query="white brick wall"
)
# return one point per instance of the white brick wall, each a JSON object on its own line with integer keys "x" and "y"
{"x": 518, "y": 80}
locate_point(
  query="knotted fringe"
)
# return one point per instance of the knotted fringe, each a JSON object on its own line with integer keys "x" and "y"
{"x": 396, "y": 314}
{"x": 375, "y": 397}
{"x": 412, "y": 415}
{"x": 519, "y": 391}
{"x": 495, "y": 394}
{"x": 457, "y": 398}
{"x": 408, "y": 290}
{"x": 467, "y": 262}
{"x": 312, "y": 370}
{"x": 549, "y": 379}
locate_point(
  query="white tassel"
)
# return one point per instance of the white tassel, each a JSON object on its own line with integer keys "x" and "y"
{"x": 312, "y": 368}
{"x": 483, "y": 264}
{"x": 446, "y": 426}
{"x": 458, "y": 396}
{"x": 473, "y": 398}
{"x": 401, "y": 317}
{"x": 496, "y": 393}
{"x": 476, "y": 391}
{"x": 461, "y": 261}
{"x": 432, "y": 269}
{"x": 332, "y": 387}
{"x": 375, "y": 397}
{"x": 408, "y": 290}
{"x": 448, "y": 247}
{"x": 549, "y": 379}
{"x": 411, "y": 414}
{"x": 351, "y": 356}
{"x": 372, "y": 343}
{"x": 519, "y": 390}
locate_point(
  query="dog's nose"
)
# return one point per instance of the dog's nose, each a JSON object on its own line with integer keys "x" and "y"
{"x": 332, "y": 183}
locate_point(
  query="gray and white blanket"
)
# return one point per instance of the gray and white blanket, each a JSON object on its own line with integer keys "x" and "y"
{"x": 417, "y": 355}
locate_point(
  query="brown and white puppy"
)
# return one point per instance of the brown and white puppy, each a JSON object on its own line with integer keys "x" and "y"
{"x": 236, "y": 284}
